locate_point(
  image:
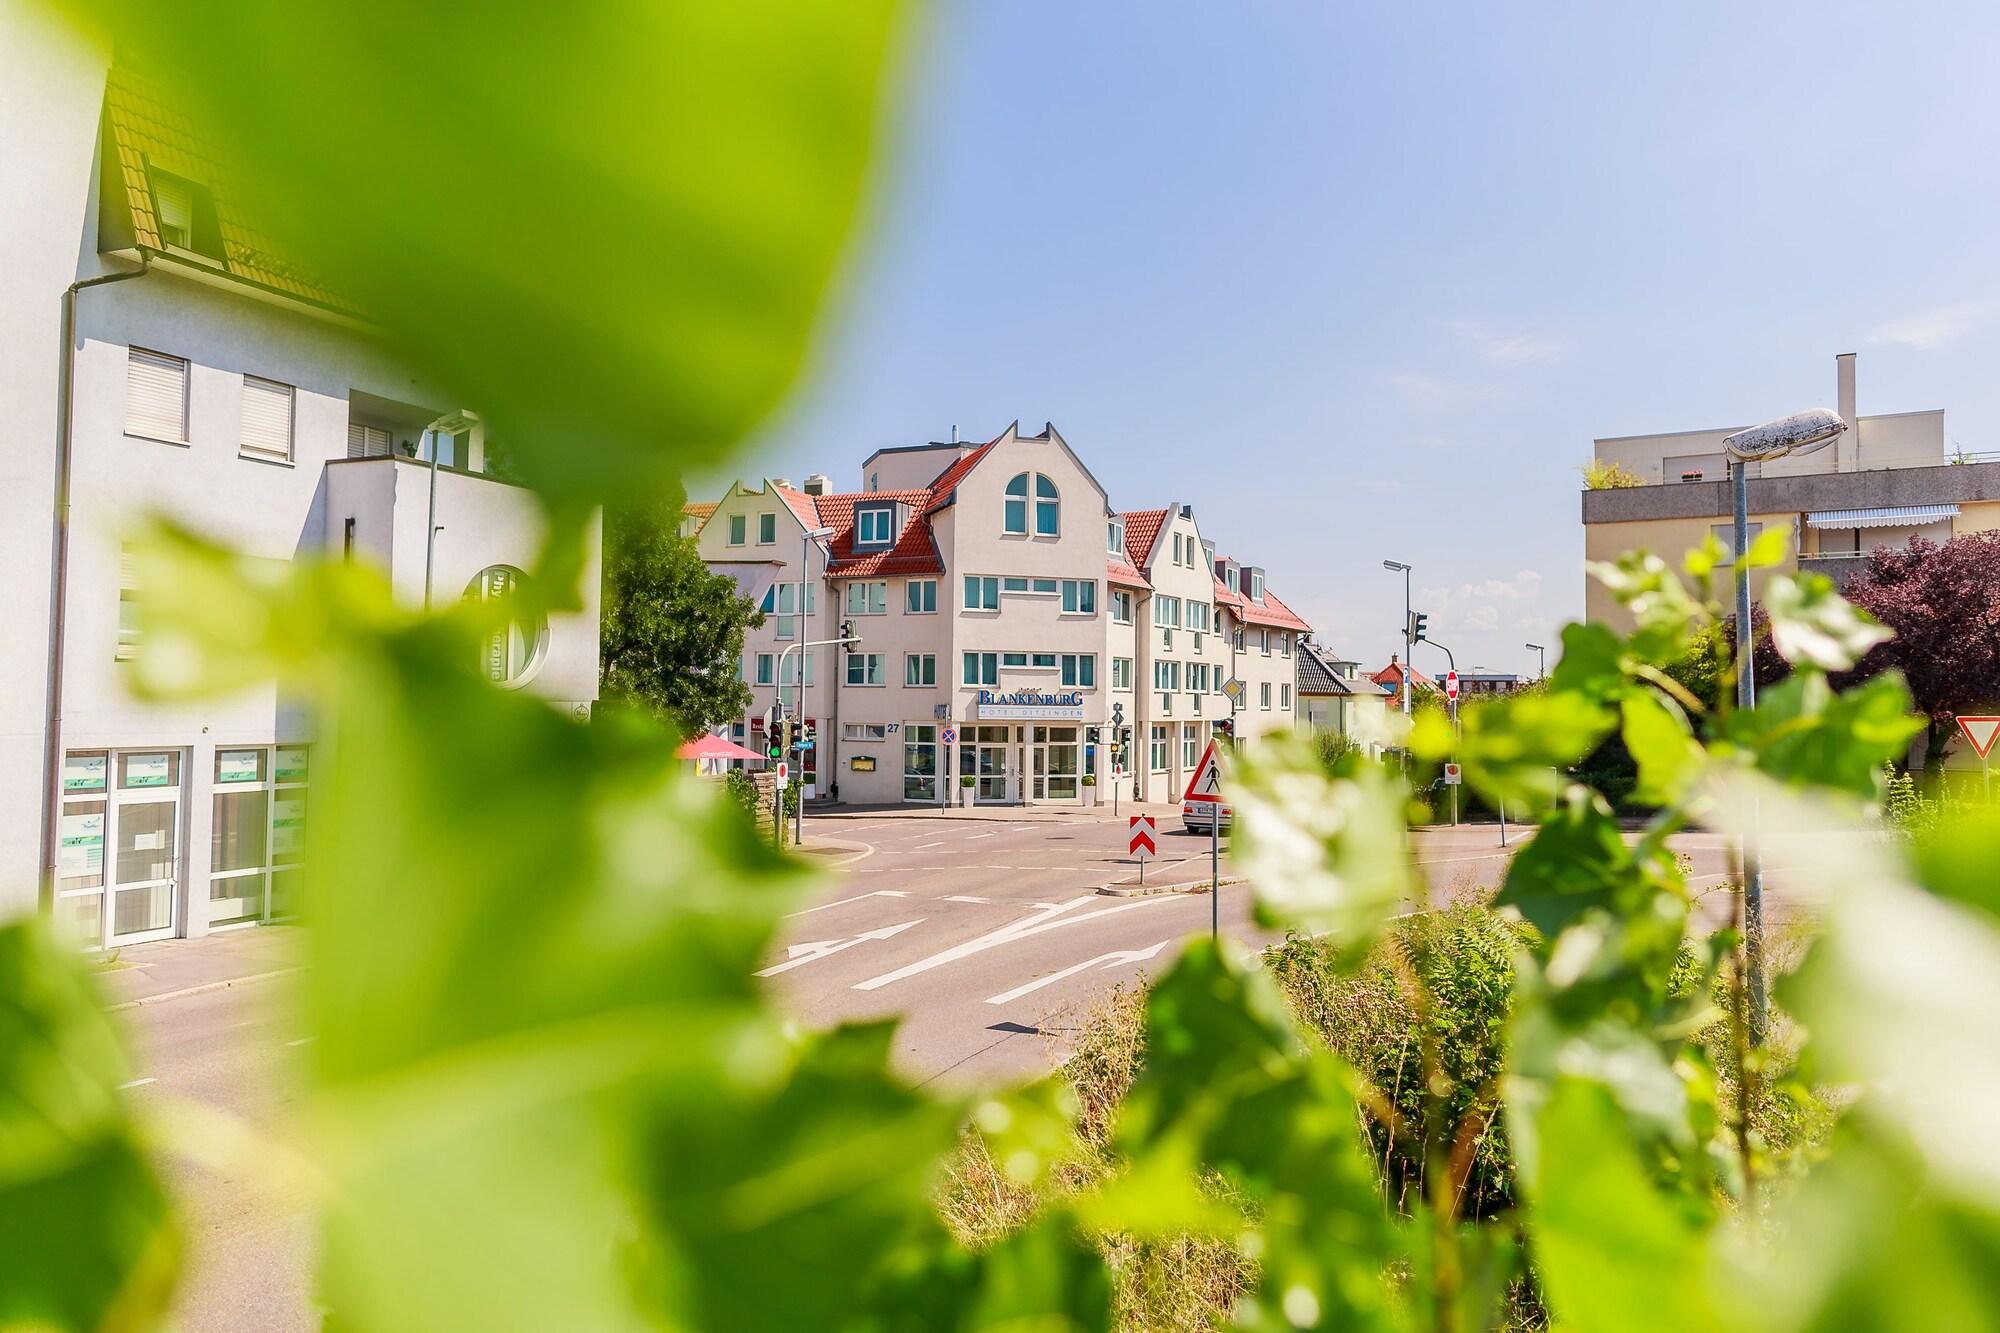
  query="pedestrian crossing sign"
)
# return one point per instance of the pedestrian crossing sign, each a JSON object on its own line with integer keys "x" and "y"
{"x": 1205, "y": 783}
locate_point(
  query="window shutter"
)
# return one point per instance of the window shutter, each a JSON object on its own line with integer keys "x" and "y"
{"x": 364, "y": 441}
{"x": 175, "y": 202}
{"x": 156, "y": 396}
{"x": 267, "y": 418}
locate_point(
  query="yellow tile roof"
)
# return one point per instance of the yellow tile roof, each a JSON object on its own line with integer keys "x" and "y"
{"x": 148, "y": 130}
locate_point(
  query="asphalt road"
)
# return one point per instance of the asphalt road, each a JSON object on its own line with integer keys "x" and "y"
{"x": 990, "y": 940}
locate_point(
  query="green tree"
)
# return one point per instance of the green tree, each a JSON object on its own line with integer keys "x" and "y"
{"x": 672, "y": 631}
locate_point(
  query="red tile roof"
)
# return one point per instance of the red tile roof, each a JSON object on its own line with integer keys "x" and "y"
{"x": 1142, "y": 528}
{"x": 915, "y": 552}
{"x": 944, "y": 486}
{"x": 799, "y": 503}
{"x": 1270, "y": 611}
{"x": 1119, "y": 572}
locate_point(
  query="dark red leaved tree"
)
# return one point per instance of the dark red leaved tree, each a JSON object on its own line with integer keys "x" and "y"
{"x": 1944, "y": 604}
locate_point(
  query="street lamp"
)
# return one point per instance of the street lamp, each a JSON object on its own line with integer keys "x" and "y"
{"x": 1800, "y": 433}
{"x": 1409, "y": 647}
{"x": 1543, "y": 674}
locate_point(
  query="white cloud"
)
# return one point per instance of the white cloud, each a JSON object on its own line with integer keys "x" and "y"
{"x": 1930, "y": 328}
{"x": 1506, "y": 349}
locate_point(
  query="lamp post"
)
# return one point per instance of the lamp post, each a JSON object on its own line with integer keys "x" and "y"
{"x": 1800, "y": 433}
{"x": 1543, "y": 672}
{"x": 1394, "y": 566}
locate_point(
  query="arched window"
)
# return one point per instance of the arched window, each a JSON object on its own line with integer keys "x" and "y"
{"x": 1048, "y": 505}
{"x": 1048, "y": 509}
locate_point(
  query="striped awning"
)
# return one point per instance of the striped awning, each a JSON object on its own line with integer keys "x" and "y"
{"x": 1906, "y": 516}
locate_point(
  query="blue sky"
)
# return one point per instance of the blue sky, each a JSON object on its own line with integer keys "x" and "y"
{"x": 1365, "y": 281}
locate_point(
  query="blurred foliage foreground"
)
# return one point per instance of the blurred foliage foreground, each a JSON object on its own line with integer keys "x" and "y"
{"x": 545, "y": 1092}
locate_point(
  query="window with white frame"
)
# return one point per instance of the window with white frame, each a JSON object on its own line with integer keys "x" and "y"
{"x": 1284, "y": 696}
{"x": 982, "y": 593}
{"x": 982, "y": 669}
{"x": 1028, "y": 661}
{"x": 864, "y": 731}
{"x": 788, "y": 672}
{"x": 1256, "y": 586}
{"x": 1114, "y": 537}
{"x": 1177, "y": 549}
{"x": 1121, "y": 607}
{"x": 1080, "y": 670}
{"x": 1264, "y": 642}
{"x": 1166, "y": 611}
{"x": 1166, "y": 675}
{"x": 739, "y": 529}
{"x": 1197, "y": 617}
{"x": 1197, "y": 678}
{"x": 867, "y": 669}
{"x": 766, "y": 663}
{"x": 1239, "y": 638}
{"x": 1157, "y": 749}
{"x": 875, "y": 525}
{"x": 1264, "y": 696}
{"x": 156, "y": 396}
{"x": 1079, "y": 597}
{"x": 1121, "y": 673}
{"x": 782, "y": 602}
{"x": 919, "y": 668}
{"x": 1047, "y": 505}
{"x": 869, "y": 598}
{"x": 920, "y": 597}
{"x": 267, "y": 419}
{"x": 366, "y": 441}
{"x": 1190, "y": 746}
{"x": 767, "y": 529}
{"x": 1285, "y": 645}
{"x": 128, "y": 603}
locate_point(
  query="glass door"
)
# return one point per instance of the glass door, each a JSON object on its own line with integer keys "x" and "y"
{"x": 1053, "y": 755}
{"x": 992, "y": 759}
{"x": 145, "y": 819}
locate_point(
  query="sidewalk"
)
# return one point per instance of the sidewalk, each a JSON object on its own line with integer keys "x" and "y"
{"x": 1002, "y": 814}
{"x": 166, "y": 969}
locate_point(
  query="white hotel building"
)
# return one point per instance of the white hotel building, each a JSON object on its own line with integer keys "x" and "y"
{"x": 1007, "y": 613}
{"x": 157, "y": 358}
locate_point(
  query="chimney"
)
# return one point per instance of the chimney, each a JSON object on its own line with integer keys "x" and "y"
{"x": 818, "y": 484}
{"x": 1847, "y": 449}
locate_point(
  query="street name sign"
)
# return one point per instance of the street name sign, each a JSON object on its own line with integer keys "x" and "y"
{"x": 1980, "y": 731}
{"x": 1205, "y": 783}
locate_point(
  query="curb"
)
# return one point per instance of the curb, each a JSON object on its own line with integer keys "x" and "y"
{"x": 1149, "y": 890}
{"x": 202, "y": 989}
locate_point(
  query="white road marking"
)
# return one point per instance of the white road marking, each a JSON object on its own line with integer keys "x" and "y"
{"x": 926, "y": 846}
{"x": 136, "y": 1083}
{"x": 1109, "y": 960}
{"x": 1055, "y": 919}
{"x": 300, "y": 1041}
{"x": 842, "y": 902}
{"x": 965, "y": 898}
{"x": 974, "y": 837}
{"x": 801, "y": 954}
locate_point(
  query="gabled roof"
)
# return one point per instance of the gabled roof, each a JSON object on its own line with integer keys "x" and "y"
{"x": 147, "y": 132}
{"x": 915, "y": 552}
{"x": 1316, "y": 673}
{"x": 944, "y": 487}
{"x": 798, "y": 502}
{"x": 1271, "y": 612}
{"x": 1142, "y": 530}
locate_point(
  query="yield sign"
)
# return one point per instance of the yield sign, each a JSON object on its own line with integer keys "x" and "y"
{"x": 1205, "y": 783}
{"x": 1980, "y": 732}
{"x": 1142, "y": 837}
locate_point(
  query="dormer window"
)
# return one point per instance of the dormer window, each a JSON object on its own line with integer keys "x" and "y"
{"x": 1115, "y": 537}
{"x": 184, "y": 213}
{"x": 875, "y": 525}
{"x": 1256, "y": 585}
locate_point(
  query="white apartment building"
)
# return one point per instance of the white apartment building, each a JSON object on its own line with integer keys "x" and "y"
{"x": 157, "y": 358}
{"x": 1006, "y": 613}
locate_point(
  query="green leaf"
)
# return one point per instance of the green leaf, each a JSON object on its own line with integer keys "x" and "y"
{"x": 1576, "y": 861}
{"x": 85, "y": 1238}
{"x": 1592, "y": 664}
{"x": 1767, "y": 548}
{"x": 1813, "y": 626}
{"x": 1614, "y": 1253}
{"x": 1664, "y": 613}
{"x": 1804, "y": 733}
{"x": 1663, "y": 745}
{"x": 1513, "y": 747}
{"x": 607, "y": 228}
{"x": 1324, "y": 854}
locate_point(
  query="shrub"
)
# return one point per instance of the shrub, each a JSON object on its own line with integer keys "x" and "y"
{"x": 1609, "y": 477}
{"x": 743, "y": 791}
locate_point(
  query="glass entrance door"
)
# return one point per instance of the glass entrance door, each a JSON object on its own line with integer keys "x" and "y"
{"x": 1054, "y": 762}
{"x": 146, "y": 845}
{"x": 984, "y": 754}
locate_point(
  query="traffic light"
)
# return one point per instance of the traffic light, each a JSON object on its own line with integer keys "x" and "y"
{"x": 847, "y": 630}
{"x": 785, "y": 736}
{"x": 1090, "y": 735}
{"x": 806, "y": 735}
{"x": 1417, "y": 622}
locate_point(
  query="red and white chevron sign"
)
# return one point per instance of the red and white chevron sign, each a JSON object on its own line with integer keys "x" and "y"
{"x": 1143, "y": 845}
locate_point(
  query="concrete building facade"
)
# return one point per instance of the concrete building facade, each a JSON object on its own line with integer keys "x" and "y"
{"x": 158, "y": 360}
{"x": 1886, "y": 480}
{"x": 1009, "y": 617}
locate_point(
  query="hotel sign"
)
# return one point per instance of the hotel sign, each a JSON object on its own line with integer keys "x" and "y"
{"x": 1031, "y": 706}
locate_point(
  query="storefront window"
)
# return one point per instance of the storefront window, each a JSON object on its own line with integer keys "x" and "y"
{"x": 920, "y": 762}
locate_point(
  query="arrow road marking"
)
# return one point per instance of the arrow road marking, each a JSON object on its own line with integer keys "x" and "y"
{"x": 801, "y": 954}
{"x": 1110, "y": 960}
{"x": 842, "y": 902}
{"x": 1063, "y": 914}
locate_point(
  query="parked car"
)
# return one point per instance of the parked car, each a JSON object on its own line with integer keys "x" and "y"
{"x": 1200, "y": 816}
